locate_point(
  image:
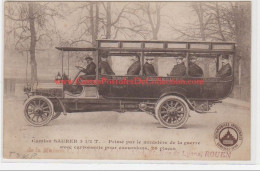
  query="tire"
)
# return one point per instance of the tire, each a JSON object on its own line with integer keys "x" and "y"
{"x": 39, "y": 108}
{"x": 56, "y": 115}
{"x": 172, "y": 112}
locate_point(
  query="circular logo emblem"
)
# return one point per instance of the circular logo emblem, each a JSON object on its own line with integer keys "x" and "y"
{"x": 228, "y": 136}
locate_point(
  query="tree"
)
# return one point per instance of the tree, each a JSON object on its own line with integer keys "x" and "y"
{"x": 31, "y": 24}
{"x": 108, "y": 20}
{"x": 213, "y": 22}
{"x": 197, "y": 29}
{"x": 156, "y": 23}
{"x": 121, "y": 20}
{"x": 149, "y": 14}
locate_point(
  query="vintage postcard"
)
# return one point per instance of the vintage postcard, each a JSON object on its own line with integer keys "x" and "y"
{"x": 127, "y": 80}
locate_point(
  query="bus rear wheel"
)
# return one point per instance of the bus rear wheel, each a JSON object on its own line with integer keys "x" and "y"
{"x": 172, "y": 112}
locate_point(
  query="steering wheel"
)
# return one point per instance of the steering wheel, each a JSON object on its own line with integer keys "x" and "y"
{"x": 80, "y": 68}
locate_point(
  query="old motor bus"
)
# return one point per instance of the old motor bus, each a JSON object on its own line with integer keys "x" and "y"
{"x": 170, "y": 104}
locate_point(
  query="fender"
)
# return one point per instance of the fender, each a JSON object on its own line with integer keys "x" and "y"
{"x": 62, "y": 106}
{"x": 173, "y": 90}
{"x": 177, "y": 91}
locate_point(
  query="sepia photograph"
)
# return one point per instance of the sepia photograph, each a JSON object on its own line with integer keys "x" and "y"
{"x": 127, "y": 80}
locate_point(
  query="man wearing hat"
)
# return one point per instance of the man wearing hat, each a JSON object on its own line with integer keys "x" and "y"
{"x": 148, "y": 67}
{"x": 226, "y": 69}
{"x": 90, "y": 69}
{"x": 135, "y": 68}
{"x": 194, "y": 69}
{"x": 104, "y": 67}
{"x": 179, "y": 69}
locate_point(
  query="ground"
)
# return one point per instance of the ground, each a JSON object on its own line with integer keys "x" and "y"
{"x": 112, "y": 129}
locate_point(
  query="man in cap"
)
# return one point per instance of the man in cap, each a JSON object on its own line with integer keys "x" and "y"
{"x": 89, "y": 70}
{"x": 148, "y": 67}
{"x": 104, "y": 67}
{"x": 226, "y": 69}
{"x": 194, "y": 69}
{"x": 135, "y": 68}
{"x": 179, "y": 69}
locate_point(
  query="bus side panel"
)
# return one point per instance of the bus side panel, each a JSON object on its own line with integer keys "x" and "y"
{"x": 216, "y": 88}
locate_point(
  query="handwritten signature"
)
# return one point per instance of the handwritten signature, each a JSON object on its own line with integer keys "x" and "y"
{"x": 16, "y": 155}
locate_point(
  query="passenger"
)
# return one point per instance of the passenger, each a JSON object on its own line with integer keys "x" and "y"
{"x": 179, "y": 69}
{"x": 226, "y": 69}
{"x": 194, "y": 69}
{"x": 104, "y": 67}
{"x": 135, "y": 68}
{"x": 90, "y": 69}
{"x": 148, "y": 68}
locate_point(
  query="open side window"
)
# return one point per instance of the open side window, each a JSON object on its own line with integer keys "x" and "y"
{"x": 125, "y": 64}
{"x": 168, "y": 64}
{"x": 224, "y": 67}
{"x": 202, "y": 66}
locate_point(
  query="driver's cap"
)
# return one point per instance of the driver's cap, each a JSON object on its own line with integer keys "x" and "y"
{"x": 88, "y": 58}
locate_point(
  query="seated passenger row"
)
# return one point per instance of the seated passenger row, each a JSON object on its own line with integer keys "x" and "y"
{"x": 179, "y": 69}
{"x": 148, "y": 69}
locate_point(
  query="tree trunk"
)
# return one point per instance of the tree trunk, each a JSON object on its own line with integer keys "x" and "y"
{"x": 32, "y": 44}
{"x": 108, "y": 26}
{"x": 197, "y": 6}
{"x": 92, "y": 26}
{"x": 96, "y": 23}
{"x": 243, "y": 39}
{"x": 219, "y": 23}
{"x": 96, "y": 27}
{"x": 155, "y": 26}
{"x": 200, "y": 11}
{"x": 92, "y": 23}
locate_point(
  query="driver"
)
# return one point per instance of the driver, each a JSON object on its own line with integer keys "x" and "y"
{"x": 89, "y": 70}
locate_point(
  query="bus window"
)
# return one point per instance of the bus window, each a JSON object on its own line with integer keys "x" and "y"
{"x": 126, "y": 65}
{"x": 172, "y": 66}
{"x": 202, "y": 66}
{"x": 104, "y": 66}
{"x": 224, "y": 66}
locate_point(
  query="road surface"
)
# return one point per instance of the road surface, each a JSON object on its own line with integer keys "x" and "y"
{"x": 111, "y": 128}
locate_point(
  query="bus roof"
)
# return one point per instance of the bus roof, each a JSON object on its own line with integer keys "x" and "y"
{"x": 166, "y": 46}
{"x": 157, "y": 46}
{"x": 161, "y": 41}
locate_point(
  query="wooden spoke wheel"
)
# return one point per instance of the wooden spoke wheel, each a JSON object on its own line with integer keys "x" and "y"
{"x": 172, "y": 112}
{"x": 38, "y": 111}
